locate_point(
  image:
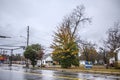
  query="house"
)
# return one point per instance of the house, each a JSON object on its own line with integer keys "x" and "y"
{"x": 47, "y": 61}
{"x": 119, "y": 55}
{"x": 112, "y": 60}
{"x": 82, "y": 62}
{"x": 118, "y": 51}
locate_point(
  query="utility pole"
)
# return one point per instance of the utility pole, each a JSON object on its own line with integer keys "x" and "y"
{"x": 27, "y": 65}
{"x": 27, "y": 36}
{"x": 11, "y": 59}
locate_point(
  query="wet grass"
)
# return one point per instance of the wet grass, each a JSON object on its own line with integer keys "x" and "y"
{"x": 95, "y": 69}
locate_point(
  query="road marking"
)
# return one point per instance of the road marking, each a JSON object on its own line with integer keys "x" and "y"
{"x": 48, "y": 75}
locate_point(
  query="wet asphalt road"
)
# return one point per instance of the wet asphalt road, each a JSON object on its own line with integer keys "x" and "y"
{"x": 18, "y": 73}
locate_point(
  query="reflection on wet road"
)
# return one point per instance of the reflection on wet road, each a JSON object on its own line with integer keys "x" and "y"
{"x": 18, "y": 73}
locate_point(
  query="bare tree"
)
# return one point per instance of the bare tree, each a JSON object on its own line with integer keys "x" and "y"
{"x": 113, "y": 40}
{"x": 103, "y": 52}
{"x": 76, "y": 18}
{"x": 88, "y": 51}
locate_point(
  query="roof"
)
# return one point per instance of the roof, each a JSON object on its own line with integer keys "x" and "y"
{"x": 46, "y": 56}
{"x": 117, "y": 50}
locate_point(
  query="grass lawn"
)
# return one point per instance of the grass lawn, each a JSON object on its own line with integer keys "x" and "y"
{"x": 94, "y": 69}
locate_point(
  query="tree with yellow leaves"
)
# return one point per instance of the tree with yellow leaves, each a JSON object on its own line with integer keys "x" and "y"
{"x": 65, "y": 46}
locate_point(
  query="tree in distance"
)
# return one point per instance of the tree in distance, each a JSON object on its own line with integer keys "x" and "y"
{"x": 113, "y": 41}
{"x": 34, "y": 52}
{"x": 88, "y": 51}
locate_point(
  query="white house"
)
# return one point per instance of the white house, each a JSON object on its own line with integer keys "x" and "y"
{"x": 47, "y": 60}
{"x": 113, "y": 59}
{"x": 82, "y": 62}
{"x": 119, "y": 55}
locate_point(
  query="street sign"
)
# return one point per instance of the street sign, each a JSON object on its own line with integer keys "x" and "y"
{"x": 2, "y": 58}
{"x": 88, "y": 64}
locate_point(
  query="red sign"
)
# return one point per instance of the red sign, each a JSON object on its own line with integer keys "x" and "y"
{"x": 2, "y": 58}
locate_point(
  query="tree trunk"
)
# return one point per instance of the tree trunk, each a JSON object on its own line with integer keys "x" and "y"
{"x": 41, "y": 64}
{"x": 116, "y": 56}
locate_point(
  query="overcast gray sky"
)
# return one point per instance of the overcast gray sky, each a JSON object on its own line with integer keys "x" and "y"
{"x": 43, "y": 16}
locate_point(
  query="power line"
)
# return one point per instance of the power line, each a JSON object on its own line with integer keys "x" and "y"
{"x": 10, "y": 46}
{"x": 4, "y": 36}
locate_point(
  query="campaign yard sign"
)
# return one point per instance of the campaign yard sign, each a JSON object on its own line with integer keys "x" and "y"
{"x": 88, "y": 64}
